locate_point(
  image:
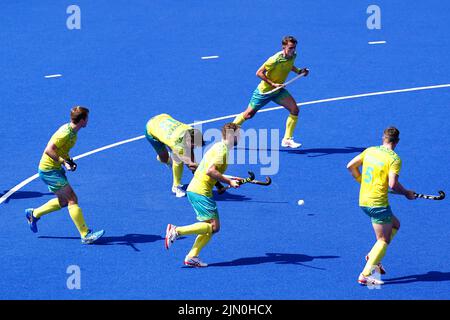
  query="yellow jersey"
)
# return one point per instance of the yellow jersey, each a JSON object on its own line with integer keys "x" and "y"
{"x": 169, "y": 131}
{"x": 277, "y": 69}
{"x": 201, "y": 183}
{"x": 378, "y": 162}
{"x": 64, "y": 139}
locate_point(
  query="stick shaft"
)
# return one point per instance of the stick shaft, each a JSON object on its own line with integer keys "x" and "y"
{"x": 284, "y": 85}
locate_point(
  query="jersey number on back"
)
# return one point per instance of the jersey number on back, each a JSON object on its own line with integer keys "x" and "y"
{"x": 368, "y": 175}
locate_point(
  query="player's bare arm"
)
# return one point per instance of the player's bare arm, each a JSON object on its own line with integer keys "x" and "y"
{"x": 216, "y": 175}
{"x": 395, "y": 185}
{"x": 353, "y": 167}
{"x": 261, "y": 73}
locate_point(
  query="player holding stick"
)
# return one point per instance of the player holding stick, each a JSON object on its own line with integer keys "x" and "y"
{"x": 381, "y": 167}
{"x": 50, "y": 171}
{"x": 199, "y": 193}
{"x": 273, "y": 74}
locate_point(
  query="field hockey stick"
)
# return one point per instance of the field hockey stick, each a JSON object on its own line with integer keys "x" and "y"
{"x": 285, "y": 84}
{"x": 251, "y": 179}
{"x": 441, "y": 195}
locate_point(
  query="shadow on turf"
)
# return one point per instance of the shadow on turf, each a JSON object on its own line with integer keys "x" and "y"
{"x": 431, "y": 276}
{"x": 317, "y": 152}
{"x": 126, "y": 240}
{"x": 25, "y": 195}
{"x": 229, "y": 196}
{"x": 277, "y": 258}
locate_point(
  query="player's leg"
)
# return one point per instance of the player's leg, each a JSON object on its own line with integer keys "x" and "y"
{"x": 285, "y": 99}
{"x": 177, "y": 173}
{"x": 55, "y": 180}
{"x": 244, "y": 116}
{"x": 382, "y": 223}
{"x": 256, "y": 102}
{"x": 67, "y": 196}
{"x": 192, "y": 258}
{"x": 163, "y": 155}
{"x": 395, "y": 226}
{"x": 394, "y": 230}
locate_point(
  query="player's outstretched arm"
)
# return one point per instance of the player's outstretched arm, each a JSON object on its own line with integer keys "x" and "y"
{"x": 396, "y": 186}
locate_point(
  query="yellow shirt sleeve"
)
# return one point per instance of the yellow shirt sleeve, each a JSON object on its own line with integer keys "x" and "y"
{"x": 396, "y": 165}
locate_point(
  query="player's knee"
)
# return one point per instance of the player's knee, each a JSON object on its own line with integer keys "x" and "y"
{"x": 295, "y": 111}
{"x": 73, "y": 199}
{"x": 215, "y": 226}
{"x": 63, "y": 203}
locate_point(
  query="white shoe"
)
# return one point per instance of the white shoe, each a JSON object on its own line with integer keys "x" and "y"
{"x": 194, "y": 262}
{"x": 171, "y": 235}
{"x": 379, "y": 267}
{"x": 179, "y": 193}
{"x": 290, "y": 143}
{"x": 369, "y": 280}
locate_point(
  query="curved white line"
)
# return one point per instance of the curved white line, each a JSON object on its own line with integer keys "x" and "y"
{"x": 440, "y": 86}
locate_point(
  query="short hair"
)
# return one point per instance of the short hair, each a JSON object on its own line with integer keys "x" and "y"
{"x": 78, "y": 113}
{"x": 228, "y": 128}
{"x": 287, "y": 39}
{"x": 391, "y": 134}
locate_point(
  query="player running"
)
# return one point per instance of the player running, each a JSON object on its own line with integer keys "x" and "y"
{"x": 51, "y": 172}
{"x": 199, "y": 193}
{"x": 381, "y": 168}
{"x": 273, "y": 74}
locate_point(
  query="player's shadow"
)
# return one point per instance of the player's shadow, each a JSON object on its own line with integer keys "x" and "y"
{"x": 277, "y": 258}
{"x": 314, "y": 152}
{"x": 229, "y": 196}
{"x": 431, "y": 276}
{"x": 25, "y": 195}
{"x": 320, "y": 152}
{"x": 127, "y": 240}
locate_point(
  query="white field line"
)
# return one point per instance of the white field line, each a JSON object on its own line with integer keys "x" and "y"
{"x": 53, "y": 76}
{"x": 377, "y": 42}
{"x": 370, "y": 94}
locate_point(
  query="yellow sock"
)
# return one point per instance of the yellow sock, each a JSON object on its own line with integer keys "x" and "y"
{"x": 77, "y": 217}
{"x": 200, "y": 242}
{"x": 196, "y": 228}
{"x": 375, "y": 255}
{"x": 291, "y": 123}
{"x": 239, "y": 120}
{"x": 50, "y": 206}
{"x": 177, "y": 171}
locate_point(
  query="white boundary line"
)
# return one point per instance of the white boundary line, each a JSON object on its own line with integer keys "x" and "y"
{"x": 377, "y": 42}
{"x": 210, "y": 57}
{"x": 53, "y": 76}
{"x": 370, "y": 94}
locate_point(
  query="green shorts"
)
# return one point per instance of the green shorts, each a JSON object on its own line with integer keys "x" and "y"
{"x": 259, "y": 100}
{"x": 54, "y": 179}
{"x": 380, "y": 215}
{"x": 204, "y": 207}
{"x": 156, "y": 144}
